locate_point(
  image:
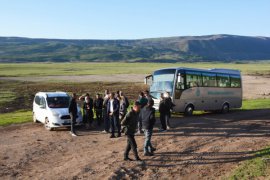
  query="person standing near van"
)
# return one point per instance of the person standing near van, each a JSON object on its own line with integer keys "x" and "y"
{"x": 113, "y": 113}
{"x": 130, "y": 125}
{"x": 105, "y": 115}
{"x": 147, "y": 116}
{"x": 73, "y": 111}
{"x": 98, "y": 103}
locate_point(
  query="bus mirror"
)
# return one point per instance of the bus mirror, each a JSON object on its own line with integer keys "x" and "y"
{"x": 148, "y": 80}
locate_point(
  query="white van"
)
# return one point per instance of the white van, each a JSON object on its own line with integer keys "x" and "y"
{"x": 51, "y": 109}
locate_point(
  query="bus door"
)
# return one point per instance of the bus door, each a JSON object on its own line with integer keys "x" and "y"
{"x": 179, "y": 88}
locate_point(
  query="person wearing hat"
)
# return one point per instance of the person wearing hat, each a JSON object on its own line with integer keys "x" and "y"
{"x": 129, "y": 124}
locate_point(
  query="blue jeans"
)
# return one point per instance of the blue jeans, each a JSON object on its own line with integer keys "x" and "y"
{"x": 114, "y": 119}
{"x": 106, "y": 120}
{"x": 147, "y": 143}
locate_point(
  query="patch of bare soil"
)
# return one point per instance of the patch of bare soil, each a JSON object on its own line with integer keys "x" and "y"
{"x": 201, "y": 147}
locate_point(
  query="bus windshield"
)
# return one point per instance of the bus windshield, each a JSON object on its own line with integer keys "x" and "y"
{"x": 163, "y": 80}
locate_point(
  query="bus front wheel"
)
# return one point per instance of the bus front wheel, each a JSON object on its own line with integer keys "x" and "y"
{"x": 189, "y": 110}
{"x": 225, "y": 108}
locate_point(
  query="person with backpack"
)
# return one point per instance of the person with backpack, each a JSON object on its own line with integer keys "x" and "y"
{"x": 129, "y": 124}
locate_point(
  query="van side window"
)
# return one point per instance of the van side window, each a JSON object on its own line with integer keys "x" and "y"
{"x": 42, "y": 102}
{"x": 37, "y": 100}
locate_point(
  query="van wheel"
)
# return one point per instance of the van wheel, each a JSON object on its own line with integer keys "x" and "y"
{"x": 47, "y": 125}
{"x": 189, "y": 110}
{"x": 35, "y": 118}
{"x": 225, "y": 108}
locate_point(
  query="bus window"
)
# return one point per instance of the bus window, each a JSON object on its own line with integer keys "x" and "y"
{"x": 193, "y": 79}
{"x": 209, "y": 80}
{"x": 235, "y": 81}
{"x": 223, "y": 80}
{"x": 180, "y": 85}
{"x": 180, "y": 82}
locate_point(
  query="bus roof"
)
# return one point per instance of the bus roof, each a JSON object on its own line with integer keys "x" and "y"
{"x": 215, "y": 70}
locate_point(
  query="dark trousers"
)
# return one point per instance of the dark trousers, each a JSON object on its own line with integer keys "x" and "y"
{"x": 73, "y": 122}
{"x": 163, "y": 120}
{"x": 114, "y": 119}
{"x": 99, "y": 116}
{"x": 106, "y": 120}
{"x": 88, "y": 117}
{"x": 131, "y": 144}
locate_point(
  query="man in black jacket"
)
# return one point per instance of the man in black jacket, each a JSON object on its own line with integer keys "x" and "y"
{"x": 98, "y": 103}
{"x": 130, "y": 125}
{"x": 73, "y": 111}
{"x": 147, "y": 116}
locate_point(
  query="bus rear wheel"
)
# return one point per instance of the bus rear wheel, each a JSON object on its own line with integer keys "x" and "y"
{"x": 225, "y": 108}
{"x": 189, "y": 110}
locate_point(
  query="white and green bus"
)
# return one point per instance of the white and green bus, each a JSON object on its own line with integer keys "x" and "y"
{"x": 197, "y": 89}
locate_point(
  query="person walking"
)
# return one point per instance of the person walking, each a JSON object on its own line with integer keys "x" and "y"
{"x": 73, "y": 111}
{"x": 113, "y": 113}
{"x": 88, "y": 115}
{"x": 147, "y": 116}
{"x": 130, "y": 125}
{"x": 105, "y": 114}
{"x": 98, "y": 104}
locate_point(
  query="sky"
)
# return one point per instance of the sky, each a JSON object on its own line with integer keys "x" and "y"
{"x": 132, "y": 19}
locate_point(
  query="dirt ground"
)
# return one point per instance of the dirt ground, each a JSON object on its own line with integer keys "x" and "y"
{"x": 207, "y": 146}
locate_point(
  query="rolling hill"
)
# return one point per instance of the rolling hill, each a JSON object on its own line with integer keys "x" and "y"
{"x": 170, "y": 49}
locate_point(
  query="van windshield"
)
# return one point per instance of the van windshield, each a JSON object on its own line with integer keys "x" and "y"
{"x": 58, "y": 102}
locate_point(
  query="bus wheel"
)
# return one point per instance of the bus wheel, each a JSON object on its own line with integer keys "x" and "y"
{"x": 225, "y": 108}
{"x": 189, "y": 110}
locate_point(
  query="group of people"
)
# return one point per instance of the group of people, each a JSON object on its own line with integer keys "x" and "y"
{"x": 112, "y": 110}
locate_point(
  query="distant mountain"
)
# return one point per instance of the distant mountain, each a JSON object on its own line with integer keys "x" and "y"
{"x": 170, "y": 49}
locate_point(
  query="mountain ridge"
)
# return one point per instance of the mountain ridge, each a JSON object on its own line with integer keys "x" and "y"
{"x": 218, "y": 47}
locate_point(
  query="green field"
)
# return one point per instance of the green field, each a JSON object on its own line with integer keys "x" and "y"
{"x": 255, "y": 168}
{"x": 49, "y": 69}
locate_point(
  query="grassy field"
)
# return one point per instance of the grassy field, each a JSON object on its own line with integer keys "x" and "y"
{"x": 256, "y": 167}
{"x": 48, "y": 69}
{"x": 16, "y": 117}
